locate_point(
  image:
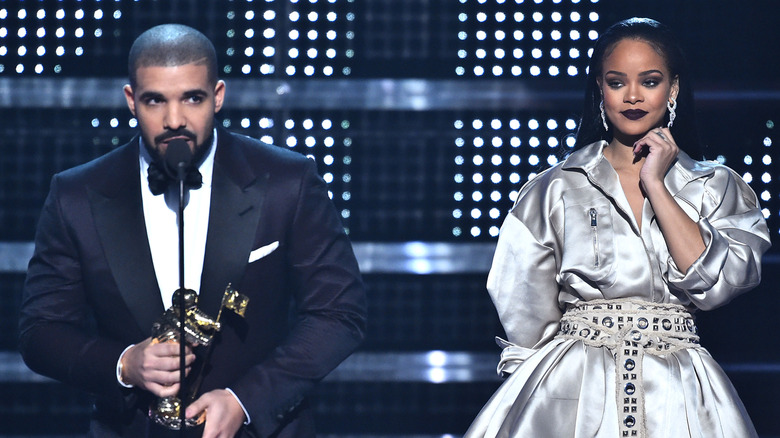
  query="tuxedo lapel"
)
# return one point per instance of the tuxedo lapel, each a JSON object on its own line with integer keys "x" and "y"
{"x": 119, "y": 219}
{"x": 237, "y": 194}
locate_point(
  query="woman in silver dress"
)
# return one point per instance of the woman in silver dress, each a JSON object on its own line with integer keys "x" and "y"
{"x": 604, "y": 258}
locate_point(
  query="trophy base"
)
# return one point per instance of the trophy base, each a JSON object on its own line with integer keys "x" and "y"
{"x": 167, "y": 414}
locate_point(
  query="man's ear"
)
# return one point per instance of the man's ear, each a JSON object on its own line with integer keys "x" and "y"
{"x": 129, "y": 97}
{"x": 219, "y": 95}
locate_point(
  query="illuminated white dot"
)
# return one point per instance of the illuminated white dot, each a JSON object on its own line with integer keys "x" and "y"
{"x": 328, "y": 178}
{"x": 515, "y": 142}
{"x": 294, "y": 16}
{"x": 552, "y": 142}
{"x": 518, "y": 35}
{"x": 270, "y": 15}
{"x": 249, "y": 51}
{"x": 269, "y": 33}
{"x": 515, "y": 160}
{"x": 767, "y": 160}
{"x": 500, "y": 35}
{"x": 41, "y": 14}
{"x": 311, "y": 53}
{"x": 537, "y": 35}
{"x": 477, "y": 178}
{"x": 535, "y": 70}
{"x": 514, "y": 124}
{"x": 495, "y": 196}
{"x": 477, "y": 160}
{"x": 496, "y": 160}
{"x": 41, "y": 32}
{"x": 514, "y": 178}
{"x": 332, "y": 16}
{"x": 497, "y": 70}
{"x": 533, "y": 124}
{"x": 495, "y": 178}
{"x": 519, "y": 16}
{"x": 537, "y": 16}
{"x": 767, "y": 141}
{"x": 60, "y": 14}
{"x": 21, "y": 32}
{"x": 593, "y": 35}
{"x": 98, "y": 14}
{"x": 293, "y": 53}
{"x": 517, "y": 53}
{"x": 293, "y": 34}
{"x": 479, "y": 71}
{"x": 21, "y": 50}
{"x": 457, "y": 213}
{"x": 556, "y": 35}
{"x": 246, "y": 69}
{"x": 533, "y": 160}
{"x": 765, "y": 195}
{"x": 534, "y": 142}
{"x": 572, "y": 70}
{"x": 475, "y": 231}
{"x": 478, "y": 142}
{"x": 553, "y": 70}
{"x": 574, "y": 17}
{"x": 41, "y": 51}
{"x": 79, "y": 14}
{"x": 249, "y": 33}
{"x": 499, "y": 53}
{"x": 476, "y": 124}
{"x": 480, "y": 53}
{"x": 476, "y": 196}
{"x": 556, "y": 16}
{"x": 497, "y": 142}
{"x": 494, "y": 230}
{"x": 748, "y": 159}
{"x": 536, "y": 53}
{"x": 747, "y": 177}
{"x": 571, "y": 141}
{"x": 79, "y": 32}
{"x": 22, "y": 14}
{"x": 766, "y": 177}
{"x": 574, "y": 35}
{"x": 476, "y": 213}
{"x": 38, "y": 68}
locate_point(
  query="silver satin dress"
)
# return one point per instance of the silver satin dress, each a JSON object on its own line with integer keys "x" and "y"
{"x": 550, "y": 254}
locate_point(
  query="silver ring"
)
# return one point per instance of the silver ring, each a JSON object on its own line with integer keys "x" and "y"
{"x": 661, "y": 134}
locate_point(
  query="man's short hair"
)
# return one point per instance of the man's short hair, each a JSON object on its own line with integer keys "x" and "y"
{"x": 171, "y": 45}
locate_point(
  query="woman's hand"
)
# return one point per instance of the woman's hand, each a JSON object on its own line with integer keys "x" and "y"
{"x": 661, "y": 151}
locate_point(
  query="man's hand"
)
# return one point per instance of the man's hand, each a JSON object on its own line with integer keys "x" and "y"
{"x": 224, "y": 415}
{"x": 154, "y": 366}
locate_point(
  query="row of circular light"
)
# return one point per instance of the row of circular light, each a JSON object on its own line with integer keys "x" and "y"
{"x": 496, "y": 159}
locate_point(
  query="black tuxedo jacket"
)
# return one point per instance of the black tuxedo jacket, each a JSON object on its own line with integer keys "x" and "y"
{"x": 91, "y": 288}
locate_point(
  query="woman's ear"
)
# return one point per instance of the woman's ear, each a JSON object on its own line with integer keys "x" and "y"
{"x": 675, "y": 88}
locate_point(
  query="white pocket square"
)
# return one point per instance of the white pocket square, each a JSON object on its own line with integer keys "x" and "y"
{"x": 262, "y": 251}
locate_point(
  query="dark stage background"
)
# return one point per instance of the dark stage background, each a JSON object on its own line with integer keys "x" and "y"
{"x": 424, "y": 117}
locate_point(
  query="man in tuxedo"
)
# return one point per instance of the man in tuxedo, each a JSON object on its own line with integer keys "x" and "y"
{"x": 257, "y": 216}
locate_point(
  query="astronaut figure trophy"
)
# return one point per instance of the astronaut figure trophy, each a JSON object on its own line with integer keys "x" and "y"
{"x": 199, "y": 331}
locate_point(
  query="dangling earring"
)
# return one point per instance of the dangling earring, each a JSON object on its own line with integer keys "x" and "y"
{"x": 603, "y": 116}
{"x": 671, "y": 105}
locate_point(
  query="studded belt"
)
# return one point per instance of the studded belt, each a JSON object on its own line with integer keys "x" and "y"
{"x": 629, "y": 329}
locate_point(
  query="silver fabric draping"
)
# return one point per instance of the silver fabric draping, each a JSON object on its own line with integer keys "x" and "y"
{"x": 572, "y": 237}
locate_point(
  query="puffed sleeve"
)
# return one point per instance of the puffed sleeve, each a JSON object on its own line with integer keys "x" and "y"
{"x": 735, "y": 235}
{"x": 522, "y": 284}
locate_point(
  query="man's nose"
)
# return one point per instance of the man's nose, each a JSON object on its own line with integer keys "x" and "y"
{"x": 174, "y": 117}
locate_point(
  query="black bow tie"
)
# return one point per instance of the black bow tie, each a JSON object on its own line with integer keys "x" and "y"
{"x": 159, "y": 179}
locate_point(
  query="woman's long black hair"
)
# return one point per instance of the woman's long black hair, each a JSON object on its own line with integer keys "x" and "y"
{"x": 661, "y": 38}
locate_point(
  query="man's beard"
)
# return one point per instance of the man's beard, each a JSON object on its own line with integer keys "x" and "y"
{"x": 200, "y": 148}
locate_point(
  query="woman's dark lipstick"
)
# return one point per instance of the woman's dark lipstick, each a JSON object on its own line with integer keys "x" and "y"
{"x": 634, "y": 114}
